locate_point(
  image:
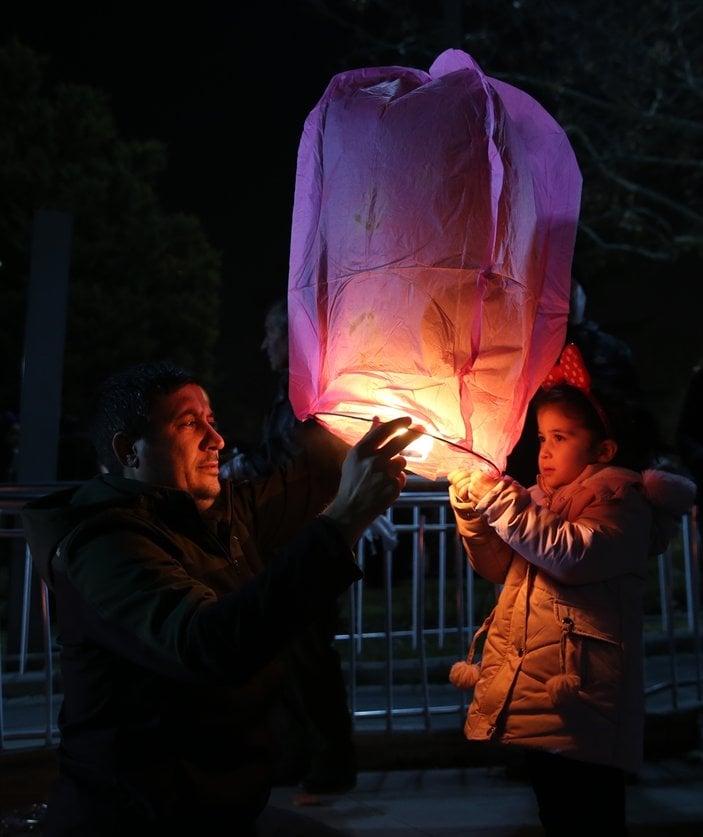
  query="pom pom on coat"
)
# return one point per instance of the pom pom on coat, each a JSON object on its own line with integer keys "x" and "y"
{"x": 464, "y": 675}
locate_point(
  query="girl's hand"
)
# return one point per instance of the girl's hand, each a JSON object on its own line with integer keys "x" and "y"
{"x": 471, "y": 486}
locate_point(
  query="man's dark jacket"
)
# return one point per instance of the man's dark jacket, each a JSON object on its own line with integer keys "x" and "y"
{"x": 170, "y": 630}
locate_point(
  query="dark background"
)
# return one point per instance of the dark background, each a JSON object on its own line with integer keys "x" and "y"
{"x": 227, "y": 87}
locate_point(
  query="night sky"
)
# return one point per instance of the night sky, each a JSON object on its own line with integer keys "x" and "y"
{"x": 227, "y": 89}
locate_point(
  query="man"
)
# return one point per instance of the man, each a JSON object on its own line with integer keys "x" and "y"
{"x": 176, "y": 597}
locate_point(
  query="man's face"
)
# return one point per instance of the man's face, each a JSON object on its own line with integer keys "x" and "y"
{"x": 180, "y": 448}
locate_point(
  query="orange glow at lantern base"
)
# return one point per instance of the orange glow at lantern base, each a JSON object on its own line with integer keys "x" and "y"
{"x": 430, "y": 456}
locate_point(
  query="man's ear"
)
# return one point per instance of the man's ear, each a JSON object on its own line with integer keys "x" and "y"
{"x": 125, "y": 450}
{"x": 607, "y": 450}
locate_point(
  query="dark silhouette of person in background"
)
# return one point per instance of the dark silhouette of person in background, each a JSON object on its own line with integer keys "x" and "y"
{"x": 319, "y": 722}
{"x": 609, "y": 358}
{"x": 277, "y": 443}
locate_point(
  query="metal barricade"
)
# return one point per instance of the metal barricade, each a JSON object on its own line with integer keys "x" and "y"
{"x": 29, "y": 698}
{"x": 400, "y": 629}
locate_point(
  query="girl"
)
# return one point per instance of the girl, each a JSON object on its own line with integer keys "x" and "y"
{"x": 562, "y": 665}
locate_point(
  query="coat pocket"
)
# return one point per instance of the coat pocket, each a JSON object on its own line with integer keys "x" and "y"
{"x": 590, "y": 657}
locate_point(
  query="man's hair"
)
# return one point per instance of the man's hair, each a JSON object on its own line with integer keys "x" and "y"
{"x": 124, "y": 403}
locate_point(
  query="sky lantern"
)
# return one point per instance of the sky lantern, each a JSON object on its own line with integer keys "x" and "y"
{"x": 433, "y": 230}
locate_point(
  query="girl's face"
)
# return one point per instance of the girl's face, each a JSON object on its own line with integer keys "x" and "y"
{"x": 566, "y": 447}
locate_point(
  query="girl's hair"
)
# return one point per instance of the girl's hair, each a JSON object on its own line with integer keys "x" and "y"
{"x": 630, "y": 425}
{"x": 577, "y": 405}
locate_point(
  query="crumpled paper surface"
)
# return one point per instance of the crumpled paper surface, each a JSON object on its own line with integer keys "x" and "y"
{"x": 433, "y": 230}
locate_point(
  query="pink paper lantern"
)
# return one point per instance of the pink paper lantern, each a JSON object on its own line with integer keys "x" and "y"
{"x": 433, "y": 230}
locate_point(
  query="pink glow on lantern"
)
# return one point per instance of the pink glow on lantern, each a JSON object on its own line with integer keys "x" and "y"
{"x": 433, "y": 230}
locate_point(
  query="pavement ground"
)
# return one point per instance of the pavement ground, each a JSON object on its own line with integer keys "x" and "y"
{"x": 449, "y": 792}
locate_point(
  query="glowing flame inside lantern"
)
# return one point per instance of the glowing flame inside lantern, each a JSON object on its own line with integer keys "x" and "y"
{"x": 419, "y": 450}
{"x": 416, "y": 451}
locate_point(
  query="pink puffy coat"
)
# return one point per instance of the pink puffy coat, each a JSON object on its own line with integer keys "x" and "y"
{"x": 562, "y": 661}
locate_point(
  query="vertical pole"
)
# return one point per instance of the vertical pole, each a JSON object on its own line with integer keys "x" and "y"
{"x": 42, "y": 374}
{"x": 40, "y": 407}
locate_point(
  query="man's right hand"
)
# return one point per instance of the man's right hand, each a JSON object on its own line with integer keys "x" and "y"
{"x": 373, "y": 476}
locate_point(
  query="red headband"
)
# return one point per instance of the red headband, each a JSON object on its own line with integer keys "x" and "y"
{"x": 570, "y": 369}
